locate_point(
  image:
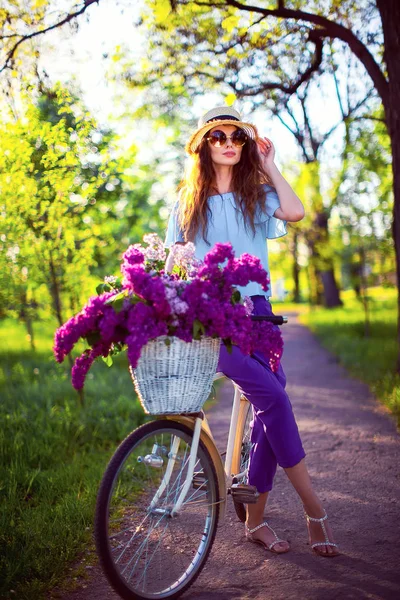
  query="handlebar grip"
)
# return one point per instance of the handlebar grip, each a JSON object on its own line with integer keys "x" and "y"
{"x": 275, "y": 319}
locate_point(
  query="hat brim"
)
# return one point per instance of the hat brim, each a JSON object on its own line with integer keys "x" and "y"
{"x": 195, "y": 140}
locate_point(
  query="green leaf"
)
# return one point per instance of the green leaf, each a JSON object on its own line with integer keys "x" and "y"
{"x": 198, "y": 329}
{"x": 230, "y": 99}
{"x": 102, "y": 287}
{"x": 118, "y": 304}
{"x": 167, "y": 341}
{"x": 236, "y": 297}
{"x": 117, "y": 301}
{"x": 116, "y": 348}
{"x": 228, "y": 344}
{"x": 108, "y": 360}
{"x": 162, "y": 10}
{"x": 230, "y": 23}
{"x": 116, "y": 297}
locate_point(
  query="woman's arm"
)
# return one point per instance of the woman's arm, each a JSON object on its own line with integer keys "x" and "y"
{"x": 291, "y": 208}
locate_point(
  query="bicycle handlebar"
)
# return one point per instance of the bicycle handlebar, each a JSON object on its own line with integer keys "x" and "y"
{"x": 275, "y": 319}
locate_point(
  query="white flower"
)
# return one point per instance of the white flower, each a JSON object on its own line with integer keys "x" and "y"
{"x": 155, "y": 249}
{"x": 110, "y": 279}
{"x": 248, "y": 304}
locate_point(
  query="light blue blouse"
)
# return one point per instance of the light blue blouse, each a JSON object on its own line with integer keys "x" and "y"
{"x": 227, "y": 225}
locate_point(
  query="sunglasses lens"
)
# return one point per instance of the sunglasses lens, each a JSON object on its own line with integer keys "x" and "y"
{"x": 217, "y": 138}
{"x": 239, "y": 138}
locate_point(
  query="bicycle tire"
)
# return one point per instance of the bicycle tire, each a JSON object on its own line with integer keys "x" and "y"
{"x": 242, "y": 450}
{"x": 144, "y": 535}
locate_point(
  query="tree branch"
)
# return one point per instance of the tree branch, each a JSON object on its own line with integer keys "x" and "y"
{"x": 325, "y": 28}
{"x": 297, "y": 133}
{"x": 287, "y": 89}
{"x": 23, "y": 38}
{"x": 314, "y": 142}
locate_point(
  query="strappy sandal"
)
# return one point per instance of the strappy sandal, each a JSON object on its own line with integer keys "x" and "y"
{"x": 327, "y": 541}
{"x": 270, "y": 547}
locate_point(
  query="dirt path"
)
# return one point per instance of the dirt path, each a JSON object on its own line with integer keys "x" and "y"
{"x": 353, "y": 453}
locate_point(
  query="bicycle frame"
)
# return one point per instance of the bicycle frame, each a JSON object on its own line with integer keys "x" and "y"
{"x": 201, "y": 430}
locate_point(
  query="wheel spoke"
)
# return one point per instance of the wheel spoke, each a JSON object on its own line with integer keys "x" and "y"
{"x": 144, "y": 550}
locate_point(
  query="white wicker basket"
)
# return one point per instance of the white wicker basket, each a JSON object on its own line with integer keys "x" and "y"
{"x": 175, "y": 378}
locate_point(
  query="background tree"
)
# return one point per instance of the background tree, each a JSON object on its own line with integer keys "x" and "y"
{"x": 69, "y": 204}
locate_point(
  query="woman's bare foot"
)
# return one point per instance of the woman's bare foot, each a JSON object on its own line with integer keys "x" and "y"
{"x": 319, "y": 532}
{"x": 265, "y": 536}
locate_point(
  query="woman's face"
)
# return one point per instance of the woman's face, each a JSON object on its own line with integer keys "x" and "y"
{"x": 228, "y": 154}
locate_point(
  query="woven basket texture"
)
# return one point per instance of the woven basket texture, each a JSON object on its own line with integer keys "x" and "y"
{"x": 175, "y": 378}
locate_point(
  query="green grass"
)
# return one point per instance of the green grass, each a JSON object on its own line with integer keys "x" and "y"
{"x": 52, "y": 455}
{"x": 370, "y": 358}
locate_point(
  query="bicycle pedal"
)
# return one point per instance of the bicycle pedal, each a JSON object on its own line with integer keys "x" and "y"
{"x": 198, "y": 480}
{"x": 245, "y": 494}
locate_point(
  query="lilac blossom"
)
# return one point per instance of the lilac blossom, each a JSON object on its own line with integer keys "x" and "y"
{"x": 79, "y": 326}
{"x": 155, "y": 250}
{"x": 84, "y": 362}
{"x": 248, "y": 304}
{"x": 183, "y": 256}
{"x": 153, "y": 302}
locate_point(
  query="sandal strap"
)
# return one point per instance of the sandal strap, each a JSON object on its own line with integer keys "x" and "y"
{"x": 327, "y": 542}
{"x": 324, "y": 544}
{"x": 314, "y": 520}
{"x": 277, "y": 541}
{"x": 265, "y": 524}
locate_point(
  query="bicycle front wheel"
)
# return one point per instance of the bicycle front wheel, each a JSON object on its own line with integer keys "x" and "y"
{"x": 145, "y": 552}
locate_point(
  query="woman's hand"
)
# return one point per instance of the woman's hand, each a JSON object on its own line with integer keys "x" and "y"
{"x": 266, "y": 152}
{"x": 291, "y": 208}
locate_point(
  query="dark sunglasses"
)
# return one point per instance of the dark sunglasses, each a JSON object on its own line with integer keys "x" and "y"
{"x": 218, "y": 138}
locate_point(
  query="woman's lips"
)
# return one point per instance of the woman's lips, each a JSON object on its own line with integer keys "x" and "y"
{"x": 229, "y": 153}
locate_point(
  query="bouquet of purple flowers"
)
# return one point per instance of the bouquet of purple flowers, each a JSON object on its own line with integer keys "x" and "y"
{"x": 196, "y": 299}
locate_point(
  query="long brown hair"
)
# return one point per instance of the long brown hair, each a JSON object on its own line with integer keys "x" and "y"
{"x": 199, "y": 183}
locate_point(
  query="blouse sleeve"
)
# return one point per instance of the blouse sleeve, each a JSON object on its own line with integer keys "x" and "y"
{"x": 174, "y": 232}
{"x": 275, "y": 228}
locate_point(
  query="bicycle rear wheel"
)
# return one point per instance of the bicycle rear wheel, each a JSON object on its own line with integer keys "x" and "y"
{"x": 144, "y": 551}
{"x": 241, "y": 457}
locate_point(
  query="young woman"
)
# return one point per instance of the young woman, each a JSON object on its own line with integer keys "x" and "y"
{"x": 233, "y": 192}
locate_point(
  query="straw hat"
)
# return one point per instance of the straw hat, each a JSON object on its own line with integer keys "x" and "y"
{"x": 221, "y": 115}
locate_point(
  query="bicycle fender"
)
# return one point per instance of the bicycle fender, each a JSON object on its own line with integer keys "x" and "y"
{"x": 215, "y": 455}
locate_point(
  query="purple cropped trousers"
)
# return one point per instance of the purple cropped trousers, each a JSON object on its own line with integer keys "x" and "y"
{"x": 275, "y": 437}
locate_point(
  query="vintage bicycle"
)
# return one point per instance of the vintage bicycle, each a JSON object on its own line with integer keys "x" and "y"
{"x": 162, "y": 495}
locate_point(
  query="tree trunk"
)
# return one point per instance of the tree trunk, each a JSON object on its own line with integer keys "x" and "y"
{"x": 364, "y": 292}
{"x": 394, "y": 126}
{"x": 322, "y": 261}
{"x": 26, "y": 317}
{"x": 331, "y": 291}
{"x": 29, "y": 328}
{"x": 55, "y": 292}
{"x": 390, "y": 15}
{"x": 325, "y": 260}
{"x": 57, "y": 307}
{"x": 314, "y": 283}
{"x": 325, "y": 290}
